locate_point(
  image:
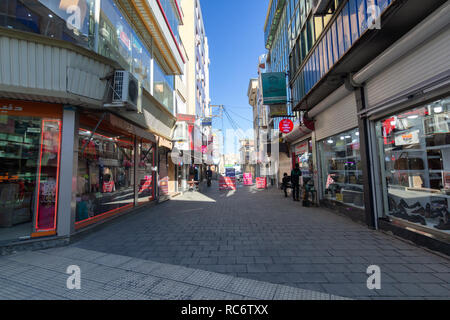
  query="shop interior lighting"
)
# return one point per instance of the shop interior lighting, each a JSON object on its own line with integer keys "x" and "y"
{"x": 330, "y": 141}
{"x": 413, "y": 117}
{"x": 50, "y": 16}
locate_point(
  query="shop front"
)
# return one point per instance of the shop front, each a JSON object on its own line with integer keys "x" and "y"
{"x": 30, "y": 143}
{"x": 339, "y": 164}
{"x": 341, "y": 169}
{"x": 408, "y": 115}
{"x": 115, "y": 169}
{"x": 302, "y": 155}
{"x": 414, "y": 151}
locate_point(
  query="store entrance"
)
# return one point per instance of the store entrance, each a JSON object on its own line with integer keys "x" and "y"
{"x": 19, "y": 156}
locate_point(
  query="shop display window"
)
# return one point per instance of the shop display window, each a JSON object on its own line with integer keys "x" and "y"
{"x": 414, "y": 148}
{"x": 29, "y": 171}
{"x": 105, "y": 180}
{"x": 341, "y": 176}
{"x": 145, "y": 172}
{"x": 303, "y": 156}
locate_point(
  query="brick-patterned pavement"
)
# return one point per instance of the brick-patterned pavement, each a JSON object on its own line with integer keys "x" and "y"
{"x": 263, "y": 236}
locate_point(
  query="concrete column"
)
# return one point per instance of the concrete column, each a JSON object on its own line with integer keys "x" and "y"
{"x": 68, "y": 173}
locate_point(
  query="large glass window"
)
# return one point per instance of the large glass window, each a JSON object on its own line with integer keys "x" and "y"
{"x": 163, "y": 87}
{"x": 105, "y": 180}
{"x": 341, "y": 168}
{"x": 414, "y": 148}
{"x": 172, "y": 17}
{"x": 119, "y": 42}
{"x": 29, "y": 172}
{"x": 69, "y": 20}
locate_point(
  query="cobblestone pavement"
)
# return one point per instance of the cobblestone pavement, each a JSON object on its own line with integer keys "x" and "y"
{"x": 42, "y": 276}
{"x": 263, "y": 236}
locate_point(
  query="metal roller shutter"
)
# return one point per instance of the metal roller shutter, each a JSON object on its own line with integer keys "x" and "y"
{"x": 340, "y": 117}
{"x": 426, "y": 62}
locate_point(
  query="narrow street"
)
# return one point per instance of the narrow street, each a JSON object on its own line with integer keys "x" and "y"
{"x": 260, "y": 235}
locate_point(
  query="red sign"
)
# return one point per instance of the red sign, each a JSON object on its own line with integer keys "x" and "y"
{"x": 227, "y": 183}
{"x": 248, "y": 180}
{"x": 261, "y": 183}
{"x": 286, "y": 126}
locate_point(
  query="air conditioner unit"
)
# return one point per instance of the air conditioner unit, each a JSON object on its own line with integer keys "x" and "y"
{"x": 197, "y": 40}
{"x": 125, "y": 90}
{"x": 181, "y": 132}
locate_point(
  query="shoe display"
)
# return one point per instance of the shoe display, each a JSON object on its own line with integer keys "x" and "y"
{"x": 443, "y": 225}
{"x": 420, "y": 211}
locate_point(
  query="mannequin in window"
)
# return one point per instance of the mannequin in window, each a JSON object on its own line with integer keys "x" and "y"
{"x": 108, "y": 184}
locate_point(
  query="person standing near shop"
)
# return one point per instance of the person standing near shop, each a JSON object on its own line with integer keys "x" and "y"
{"x": 295, "y": 181}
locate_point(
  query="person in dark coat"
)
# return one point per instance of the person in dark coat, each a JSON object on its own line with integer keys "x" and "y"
{"x": 285, "y": 184}
{"x": 295, "y": 180}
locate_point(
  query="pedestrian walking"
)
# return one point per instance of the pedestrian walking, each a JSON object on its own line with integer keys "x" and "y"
{"x": 295, "y": 181}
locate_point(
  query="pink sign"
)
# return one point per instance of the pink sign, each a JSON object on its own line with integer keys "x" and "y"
{"x": 248, "y": 180}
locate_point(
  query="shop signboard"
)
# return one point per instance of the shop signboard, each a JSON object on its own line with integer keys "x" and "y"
{"x": 286, "y": 126}
{"x": 207, "y": 122}
{"x": 274, "y": 88}
{"x": 301, "y": 148}
{"x": 407, "y": 138}
{"x": 248, "y": 179}
{"x": 230, "y": 172}
{"x": 261, "y": 183}
{"x": 278, "y": 110}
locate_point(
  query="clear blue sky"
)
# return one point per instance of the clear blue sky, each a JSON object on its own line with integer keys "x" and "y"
{"x": 236, "y": 39}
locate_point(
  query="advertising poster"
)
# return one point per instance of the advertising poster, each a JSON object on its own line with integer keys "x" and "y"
{"x": 248, "y": 179}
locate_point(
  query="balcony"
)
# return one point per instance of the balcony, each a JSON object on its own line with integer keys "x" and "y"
{"x": 348, "y": 44}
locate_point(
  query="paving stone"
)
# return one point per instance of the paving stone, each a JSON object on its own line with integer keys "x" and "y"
{"x": 252, "y": 288}
{"x": 411, "y": 289}
{"x": 443, "y": 276}
{"x": 301, "y": 246}
{"x": 209, "y": 280}
{"x": 173, "y": 290}
{"x": 290, "y": 293}
{"x": 435, "y": 289}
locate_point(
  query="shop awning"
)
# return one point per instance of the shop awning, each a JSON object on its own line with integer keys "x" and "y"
{"x": 304, "y": 128}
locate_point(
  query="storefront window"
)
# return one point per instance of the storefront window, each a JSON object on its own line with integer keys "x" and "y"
{"x": 29, "y": 172}
{"x": 146, "y": 175}
{"x": 105, "y": 181}
{"x": 341, "y": 169}
{"x": 415, "y": 160}
{"x": 303, "y": 157}
{"x": 69, "y": 20}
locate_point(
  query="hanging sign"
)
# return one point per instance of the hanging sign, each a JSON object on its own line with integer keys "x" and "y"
{"x": 286, "y": 126}
{"x": 274, "y": 88}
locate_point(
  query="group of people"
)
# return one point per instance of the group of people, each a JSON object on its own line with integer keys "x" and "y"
{"x": 294, "y": 180}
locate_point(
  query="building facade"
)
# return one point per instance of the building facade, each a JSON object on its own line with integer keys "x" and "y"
{"x": 194, "y": 134}
{"x": 87, "y": 111}
{"x": 370, "y": 81}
